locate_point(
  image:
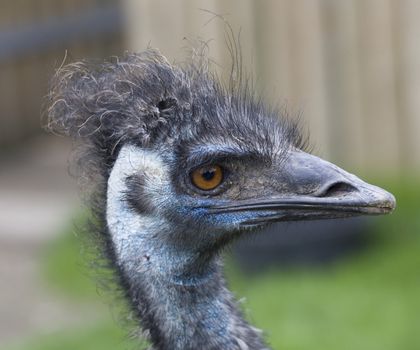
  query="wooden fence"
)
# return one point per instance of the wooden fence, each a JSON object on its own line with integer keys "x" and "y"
{"x": 34, "y": 38}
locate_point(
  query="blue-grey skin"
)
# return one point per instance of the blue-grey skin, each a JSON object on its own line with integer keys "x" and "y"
{"x": 145, "y": 126}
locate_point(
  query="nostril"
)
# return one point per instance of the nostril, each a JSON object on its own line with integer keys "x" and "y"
{"x": 337, "y": 189}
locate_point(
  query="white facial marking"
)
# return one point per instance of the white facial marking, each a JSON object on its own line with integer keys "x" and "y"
{"x": 127, "y": 228}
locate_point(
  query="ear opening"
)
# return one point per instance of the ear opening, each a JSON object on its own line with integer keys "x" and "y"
{"x": 167, "y": 105}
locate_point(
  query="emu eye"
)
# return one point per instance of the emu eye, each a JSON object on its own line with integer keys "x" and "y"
{"x": 208, "y": 177}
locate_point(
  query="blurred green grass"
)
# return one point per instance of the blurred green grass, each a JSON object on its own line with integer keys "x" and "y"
{"x": 369, "y": 301}
{"x": 105, "y": 336}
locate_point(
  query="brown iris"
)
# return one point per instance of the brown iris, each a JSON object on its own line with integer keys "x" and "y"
{"x": 207, "y": 178}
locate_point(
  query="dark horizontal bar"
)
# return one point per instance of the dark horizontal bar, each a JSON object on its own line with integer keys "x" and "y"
{"x": 59, "y": 31}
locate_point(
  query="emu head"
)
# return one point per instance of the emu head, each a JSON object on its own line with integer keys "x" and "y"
{"x": 188, "y": 164}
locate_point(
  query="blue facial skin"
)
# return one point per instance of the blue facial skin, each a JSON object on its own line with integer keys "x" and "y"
{"x": 199, "y": 211}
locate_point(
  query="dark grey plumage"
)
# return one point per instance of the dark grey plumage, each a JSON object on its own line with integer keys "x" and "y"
{"x": 146, "y": 126}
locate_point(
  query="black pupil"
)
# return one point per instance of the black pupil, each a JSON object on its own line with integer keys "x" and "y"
{"x": 208, "y": 175}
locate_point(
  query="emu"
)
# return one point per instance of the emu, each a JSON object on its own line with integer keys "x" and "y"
{"x": 181, "y": 166}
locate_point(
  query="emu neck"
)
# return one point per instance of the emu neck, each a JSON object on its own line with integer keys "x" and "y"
{"x": 181, "y": 305}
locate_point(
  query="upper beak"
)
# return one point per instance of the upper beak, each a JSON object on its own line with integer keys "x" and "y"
{"x": 307, "y": 187}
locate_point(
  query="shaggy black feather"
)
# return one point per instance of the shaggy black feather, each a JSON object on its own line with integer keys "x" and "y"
{"x": 143, "y": 100}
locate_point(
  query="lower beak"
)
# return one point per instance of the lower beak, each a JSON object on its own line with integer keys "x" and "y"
{"x": 311, "y": 188}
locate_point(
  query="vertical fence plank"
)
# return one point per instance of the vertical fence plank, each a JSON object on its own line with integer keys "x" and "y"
{"x": 11, "y": 129}
{"x": 6, "y": 10}
{"x": 407, "y": 53}
{"x": 274, "y": 71}
{"x": 242, "y": 21}
{"x": 308, "y": 75}
{"x": 202, "y": 24}
{"x": 157, "y": 23}
{"x": 343, "y": 82}
{"x": 378, "y": 84}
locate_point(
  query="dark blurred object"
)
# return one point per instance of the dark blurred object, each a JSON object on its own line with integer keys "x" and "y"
{"x": 303, "y": 243}
{"x": 35, "y": 38}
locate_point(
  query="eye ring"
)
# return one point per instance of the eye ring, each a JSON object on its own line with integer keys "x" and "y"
{"x": 207, "y": 178}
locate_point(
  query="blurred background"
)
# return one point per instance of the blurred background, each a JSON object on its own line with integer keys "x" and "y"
{"x": 351, "y": 69}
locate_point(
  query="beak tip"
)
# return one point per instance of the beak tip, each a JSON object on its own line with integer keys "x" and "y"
{"x": 385, "y": 201}
{"x": 391, "y": 202}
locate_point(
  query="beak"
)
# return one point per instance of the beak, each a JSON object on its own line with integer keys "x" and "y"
{"x": 306, "y": 187}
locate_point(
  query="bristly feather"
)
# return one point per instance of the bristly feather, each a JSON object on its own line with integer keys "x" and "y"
{"x": 143, "y": 99}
